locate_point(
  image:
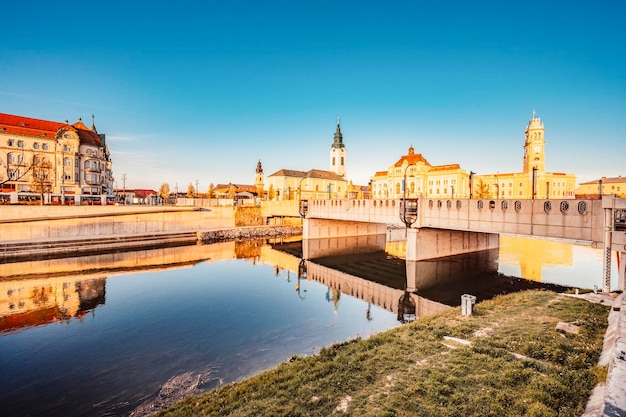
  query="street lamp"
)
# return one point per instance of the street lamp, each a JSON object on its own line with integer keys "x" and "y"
{"x": 409, "y": 216}
{"x": 497, "y": 184}
{"x": 471, "y": 177}
{"x": 534, "y": 180}
{"x": 303, "y": 205}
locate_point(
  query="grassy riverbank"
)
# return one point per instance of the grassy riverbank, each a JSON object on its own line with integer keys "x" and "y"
{"x": 508, "y": 359}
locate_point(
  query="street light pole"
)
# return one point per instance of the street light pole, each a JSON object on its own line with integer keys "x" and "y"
{"x": 471, "y": 177}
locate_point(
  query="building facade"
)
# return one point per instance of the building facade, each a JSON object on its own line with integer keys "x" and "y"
{"x": 602, "y": 186}
{"x": 412, "y": 176}
{"x": 534, "y": 182}
{"x": 61, "y": 162}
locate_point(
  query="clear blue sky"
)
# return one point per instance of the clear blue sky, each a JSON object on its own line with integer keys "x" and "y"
{"x": 190, "y": 90}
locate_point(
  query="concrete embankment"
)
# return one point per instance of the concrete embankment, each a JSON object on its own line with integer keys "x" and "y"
{"x": 29, "y": 232}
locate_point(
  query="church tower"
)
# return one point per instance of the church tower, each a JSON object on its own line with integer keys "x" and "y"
{"x": 534, "y": 146}
{"x": 338, "y": 153}
{"x": 259, "y": 179}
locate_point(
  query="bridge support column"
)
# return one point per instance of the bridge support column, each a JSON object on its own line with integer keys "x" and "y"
{"x": 621, "y": 270}
{"x": 424, "y": 244}
{"x": 335, "y": 237}
{"x": 606, "y": 264}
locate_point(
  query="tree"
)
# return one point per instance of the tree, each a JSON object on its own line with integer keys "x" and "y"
{"x": 16, "y": 167}
{"x": 211, "y": 191}
{"x": 482, "y": 190}
{"x": 164, "y": 191}
{"x": 231, "y": 191}
{"x": 191, "y": 191}
{"x": 271, "y": 194}
{"x": 41, "y": 180}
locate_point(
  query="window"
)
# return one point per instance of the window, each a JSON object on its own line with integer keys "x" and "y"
{"x": 86, "y": 166}
{"x": 11, "y": 142}
{"x": 68, "y": 176}
{"x": 67, "y": 148}
{"x": 45, "y": 146}
{"x": 67, "y": 162}
{"x": 11, "y": 159}
{"x": 20, "y": 143}
{"x": 342, "y": 161}
{"x": 88, "y": 151}
{"x": 36, "y": 145}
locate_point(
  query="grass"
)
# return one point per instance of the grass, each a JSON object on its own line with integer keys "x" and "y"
{"x": 413, "y": 371}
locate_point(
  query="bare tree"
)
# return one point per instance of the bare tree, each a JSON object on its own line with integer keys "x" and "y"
{"x": 16, "y": 167}
{"x": 41, "y": 180}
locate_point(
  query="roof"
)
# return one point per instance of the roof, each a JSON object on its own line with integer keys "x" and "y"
{"x": 411, "y": 158}
{"x": 28, "y": 126}
{"x": 606, "y": 180}
{"x": 313, "y": 173}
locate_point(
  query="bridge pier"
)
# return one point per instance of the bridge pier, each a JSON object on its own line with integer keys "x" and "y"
{"x": 425, "y": 243}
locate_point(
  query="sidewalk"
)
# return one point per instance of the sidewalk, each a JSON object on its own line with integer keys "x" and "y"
{"x": 610, "y": 399}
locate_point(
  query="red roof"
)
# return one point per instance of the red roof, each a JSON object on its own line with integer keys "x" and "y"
{"x": 28, "y": 126}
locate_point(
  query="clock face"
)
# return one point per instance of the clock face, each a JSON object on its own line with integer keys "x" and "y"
{"x": 537, "y": 148}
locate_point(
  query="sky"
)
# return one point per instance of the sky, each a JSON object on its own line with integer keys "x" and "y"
{"x": 199, "y": 91}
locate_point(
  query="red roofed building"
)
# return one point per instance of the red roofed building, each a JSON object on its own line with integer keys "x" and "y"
{"x": 421, "y": 178}
{"x": 66, "y": 163}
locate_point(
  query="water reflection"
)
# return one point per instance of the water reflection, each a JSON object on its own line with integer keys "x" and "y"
{"x": 132, "y": 321}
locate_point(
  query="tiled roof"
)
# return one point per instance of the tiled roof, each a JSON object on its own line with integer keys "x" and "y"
{"x": 313, "y": 173}
{"x": 28, "y": 126}
{"x": 606, "y": 180}
{"x": 412, "y": 159}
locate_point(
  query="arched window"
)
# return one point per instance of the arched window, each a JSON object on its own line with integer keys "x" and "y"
{"x": 67, "y": 162}
{"x": 397, "y": 188}
{"x": 342, "y": 161}
{"x": 333, "y": 161}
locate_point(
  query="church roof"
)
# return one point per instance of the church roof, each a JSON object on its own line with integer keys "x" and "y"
{"x": 29, "y": 126}
{"x": 313, "y": 173}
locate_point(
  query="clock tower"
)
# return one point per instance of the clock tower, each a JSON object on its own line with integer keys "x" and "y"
{"x": 534, "y": 146}
{"x": 338, "y": 153}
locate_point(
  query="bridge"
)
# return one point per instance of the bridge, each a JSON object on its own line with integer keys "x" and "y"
{"x": 443, "y": 227}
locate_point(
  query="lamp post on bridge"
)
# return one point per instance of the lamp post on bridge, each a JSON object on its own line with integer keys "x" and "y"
{"x": 471, "y": 178}
{"x": 409, "y": 219}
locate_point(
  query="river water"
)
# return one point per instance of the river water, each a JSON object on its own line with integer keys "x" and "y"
{"x": 100, "y": 335}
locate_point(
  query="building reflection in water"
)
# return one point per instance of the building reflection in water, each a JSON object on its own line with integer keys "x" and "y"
{"x": 35, "y": 302}
{"x": 39, "y": 292}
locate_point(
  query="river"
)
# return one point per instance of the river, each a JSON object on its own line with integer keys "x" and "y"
{"x": 100, "y": 335}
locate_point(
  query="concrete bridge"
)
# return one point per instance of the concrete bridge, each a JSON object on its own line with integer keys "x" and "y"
{"x": 436, "y": 228}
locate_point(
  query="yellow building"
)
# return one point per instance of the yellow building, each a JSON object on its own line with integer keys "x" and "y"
{"x": 604, "y": 186}
{"x": 66, "y": 163}
{"x": 534, "y": 181}
{"x": 315, "y": 184}
{"x": 421, "y": 178}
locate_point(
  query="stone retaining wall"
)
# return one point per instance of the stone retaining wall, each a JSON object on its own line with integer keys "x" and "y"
{"x": 249, "y": 233}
